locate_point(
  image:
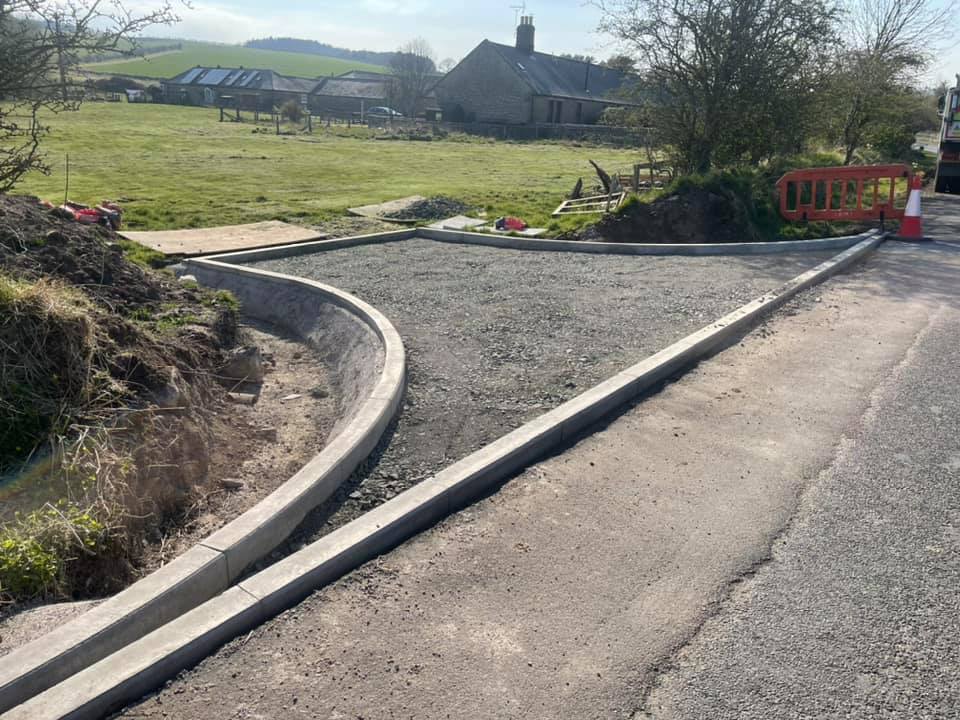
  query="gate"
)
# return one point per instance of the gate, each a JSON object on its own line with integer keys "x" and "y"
{"x": 869, "y": 192}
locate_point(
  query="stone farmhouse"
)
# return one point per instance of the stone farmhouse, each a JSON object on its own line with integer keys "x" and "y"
{"x": 255, "y": 89}
{"x": 516, "y": 85}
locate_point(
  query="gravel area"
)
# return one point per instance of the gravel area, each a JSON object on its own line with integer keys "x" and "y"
{"x": 497, "y": 337}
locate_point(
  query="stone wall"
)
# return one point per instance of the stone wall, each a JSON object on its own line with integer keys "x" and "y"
{"x": 484, "y": 88}
{"x": 544, "y": 111}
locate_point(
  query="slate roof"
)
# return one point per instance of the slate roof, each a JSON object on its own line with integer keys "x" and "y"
{"x": 286, "y": 83}
{"x": 363, "y": 75}
{"x": 554, "y": 76}
{"x": 349, "y": 87}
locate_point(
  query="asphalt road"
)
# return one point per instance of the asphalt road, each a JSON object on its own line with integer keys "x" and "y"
{"x": 775, "y": 535}
{"x": 858, "y": 614}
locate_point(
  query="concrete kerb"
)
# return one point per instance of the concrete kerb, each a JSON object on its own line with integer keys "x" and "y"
{"x": 508, "y": 242}
{"x": 213, "y": 565}
{"x": 150, "y": 661}
{"x": 608, "y": 248}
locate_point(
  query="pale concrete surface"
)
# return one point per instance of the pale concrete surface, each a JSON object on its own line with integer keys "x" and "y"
{"x": 564, "y": 594}
{"x": 381, "y": 210}
{"x": 207, "y": 241}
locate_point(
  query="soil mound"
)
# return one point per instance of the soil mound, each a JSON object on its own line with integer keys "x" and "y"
{"x": 145, "y": 327}
{"x": 435, "y": 208}
{"x": 108, "y": 388}
{"x": 86, "y": 331}
{"x": 694, "y": 215}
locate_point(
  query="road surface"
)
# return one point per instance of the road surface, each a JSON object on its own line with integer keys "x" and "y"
{"x": 774, "y": 535}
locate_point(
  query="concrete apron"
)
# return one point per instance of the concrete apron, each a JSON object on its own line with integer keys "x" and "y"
{"x": 148, "y": 662}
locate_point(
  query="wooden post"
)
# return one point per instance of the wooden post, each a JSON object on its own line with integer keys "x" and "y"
{"x": 636, "y": 177}
{"x": 310, "y": 123}
{"x": 238, "y": 112}
{"x": 221, "y": 114}
{"x": 276, "y": 117}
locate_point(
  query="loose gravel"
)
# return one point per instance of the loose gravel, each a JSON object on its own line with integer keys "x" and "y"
{"x": 496, "y": 337}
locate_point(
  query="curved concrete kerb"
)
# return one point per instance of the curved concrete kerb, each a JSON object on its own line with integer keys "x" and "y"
{"x": 367, "y": 356}
{"x": 148, "y": 662}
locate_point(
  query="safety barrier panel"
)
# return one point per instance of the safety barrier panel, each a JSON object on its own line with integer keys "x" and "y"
{"x": 868, "y": 192}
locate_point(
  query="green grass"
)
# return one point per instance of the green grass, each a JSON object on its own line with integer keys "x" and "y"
{"x": 167, "y": 65}
{"x": 174, "y": 167}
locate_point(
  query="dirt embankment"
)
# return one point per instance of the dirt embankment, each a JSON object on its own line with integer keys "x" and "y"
{"x": 115, "y": 381}
{"x": 695, "y": 216}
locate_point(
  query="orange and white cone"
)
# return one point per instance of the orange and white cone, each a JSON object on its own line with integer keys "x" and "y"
{"x": 912, "y": 226}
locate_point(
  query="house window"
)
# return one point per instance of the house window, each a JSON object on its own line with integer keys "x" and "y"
{"x": 304, "y": 100}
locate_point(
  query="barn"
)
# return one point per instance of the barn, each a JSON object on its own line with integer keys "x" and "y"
{"x": 516, "y": 85}
{"x": 349, "y": 94}
{"x": 248, "y": 89}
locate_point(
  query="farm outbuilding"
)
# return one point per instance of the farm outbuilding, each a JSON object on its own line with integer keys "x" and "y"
{"x": 346, "y": 95}
{"x": 516, "y": 85}
{"x": 245, "y": 88}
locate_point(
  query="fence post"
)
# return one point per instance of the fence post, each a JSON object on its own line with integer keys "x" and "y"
{"x": 636, "y": 177}
{"x": 276, "y": 118}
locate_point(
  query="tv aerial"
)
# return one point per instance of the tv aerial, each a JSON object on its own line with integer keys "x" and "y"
{"x": 518, "y": 10}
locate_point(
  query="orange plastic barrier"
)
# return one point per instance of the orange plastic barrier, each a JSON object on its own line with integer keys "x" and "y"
{"x": 866, "y": 192}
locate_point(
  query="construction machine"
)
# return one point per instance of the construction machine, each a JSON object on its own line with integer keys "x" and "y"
{"x": 948, "y": 157}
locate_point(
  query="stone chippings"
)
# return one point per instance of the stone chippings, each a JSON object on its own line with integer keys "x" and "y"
{"x": 495, "y": 338}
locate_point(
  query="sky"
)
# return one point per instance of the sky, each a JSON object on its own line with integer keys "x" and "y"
{"x": 452, "y": 29}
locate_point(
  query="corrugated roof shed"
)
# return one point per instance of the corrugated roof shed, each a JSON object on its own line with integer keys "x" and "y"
{"x": 246, "y": 78}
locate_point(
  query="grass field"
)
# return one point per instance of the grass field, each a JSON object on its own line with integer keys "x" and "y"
{"x": 175, "y": 167}
{"x": 167, "y": 65}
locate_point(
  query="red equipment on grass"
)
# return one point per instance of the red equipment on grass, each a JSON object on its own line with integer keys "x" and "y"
{"x": 868, "y": 192}
{"x": 106, "y": 213}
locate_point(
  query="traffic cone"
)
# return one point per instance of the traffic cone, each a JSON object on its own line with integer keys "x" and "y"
{"x": 912, "y": 226}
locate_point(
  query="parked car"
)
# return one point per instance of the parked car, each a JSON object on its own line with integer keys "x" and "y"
{"x": 384, "y": 112}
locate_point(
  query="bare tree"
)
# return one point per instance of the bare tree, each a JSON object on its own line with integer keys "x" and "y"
{"x": 623, "y": 63}
{"x": 728, "y": 79}
{"x": 889, "y": 44}
{"x": 42, "y": 43}
{"x": 413, "y": 67}
{"x": 447, "y": 65}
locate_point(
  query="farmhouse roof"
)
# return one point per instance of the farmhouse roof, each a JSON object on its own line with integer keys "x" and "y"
{"x": 553, "y": 76}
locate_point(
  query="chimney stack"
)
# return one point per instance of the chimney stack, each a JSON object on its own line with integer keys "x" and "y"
{"x": 525, "y": 35}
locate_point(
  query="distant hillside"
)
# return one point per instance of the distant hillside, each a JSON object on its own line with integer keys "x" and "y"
{"x": 192, "y": 53}
{"x": 312, "y": 47}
